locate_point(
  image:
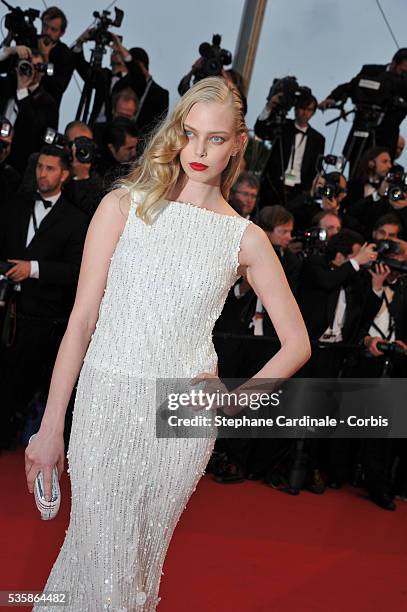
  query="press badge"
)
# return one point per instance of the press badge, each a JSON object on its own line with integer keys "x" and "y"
{"x": 291, "y": 179}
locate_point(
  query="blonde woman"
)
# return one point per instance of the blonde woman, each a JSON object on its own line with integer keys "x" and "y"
{"x": 160, "y": 256}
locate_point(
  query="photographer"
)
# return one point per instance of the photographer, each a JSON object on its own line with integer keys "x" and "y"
{"x": 119, "y": 151}
{"x": 9, "y": 177}
{"x": 84, "y": 187}
{"x": 375, "y": 192}
{"x": 244, "y": 313}
{"x": 42, "y": 236}
{"x": 28, "y": 107}
{"x": 243, "y": 194}
{"x": 327, "y": 194}
{"x": 329, "y": 221}
{"x": 53, "y": 51}
{"x": 385, "y": 341}
{"x": 375, "y": 86}
{"x": 296, "y": 148}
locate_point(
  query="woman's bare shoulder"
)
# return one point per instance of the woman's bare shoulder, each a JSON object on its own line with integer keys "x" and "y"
{"x": 255, "y": 244}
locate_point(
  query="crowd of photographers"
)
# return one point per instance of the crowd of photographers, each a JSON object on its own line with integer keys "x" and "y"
{"x": 340, "y": 235}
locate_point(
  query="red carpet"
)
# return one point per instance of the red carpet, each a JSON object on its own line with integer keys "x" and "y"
{"x": 239, "y": 548}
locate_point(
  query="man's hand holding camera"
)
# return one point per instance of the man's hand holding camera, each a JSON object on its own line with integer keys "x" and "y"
{"x": 20, "y": 271}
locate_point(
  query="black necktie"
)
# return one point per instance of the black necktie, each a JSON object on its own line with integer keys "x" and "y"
{"x": 47, "y": 203}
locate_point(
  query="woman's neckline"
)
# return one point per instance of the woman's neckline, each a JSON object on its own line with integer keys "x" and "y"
{"x": 208, "y": 210}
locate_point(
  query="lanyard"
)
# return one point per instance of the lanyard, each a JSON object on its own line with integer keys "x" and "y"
{"x": 294, "y": 148}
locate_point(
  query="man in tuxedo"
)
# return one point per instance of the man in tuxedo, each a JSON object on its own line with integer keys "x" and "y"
{"x": 54, "y": 51}
{"x": 295, "y": 154}
{"x": 376, "y": 84}
{"x": 242, "y": 358}
{"x": 153, "y": 99}
{"x": 29, "y": 108}
{"x": 42, "y": 236}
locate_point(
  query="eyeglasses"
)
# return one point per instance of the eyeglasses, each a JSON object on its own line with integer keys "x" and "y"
{"x": 247, "y": 194}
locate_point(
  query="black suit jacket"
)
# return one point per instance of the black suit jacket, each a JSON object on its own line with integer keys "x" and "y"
{"x": 36, "y": 112}
{"x": 314, "y": 147}
{"x": 238, "y": 312}
{"x": 319, "y": 292}
{"x": 154, "y": 107}
{"x": 62, "y": 57}
{"x": 57, "y": 246}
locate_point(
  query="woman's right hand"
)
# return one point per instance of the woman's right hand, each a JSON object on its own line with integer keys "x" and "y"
{"x": 44, "y": 452}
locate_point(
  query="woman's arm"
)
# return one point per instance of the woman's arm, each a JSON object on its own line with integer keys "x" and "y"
{"x": 104, "y": 232}
{"x": 265, "y": 274}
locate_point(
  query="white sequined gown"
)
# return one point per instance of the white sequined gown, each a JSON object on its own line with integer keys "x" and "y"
{"x": 166, "y": 287}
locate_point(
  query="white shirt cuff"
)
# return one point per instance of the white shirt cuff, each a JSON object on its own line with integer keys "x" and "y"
{"x": 236, "y": 291}
{"x": 355, "y": 264}
{"x": 35, "y": 269}
{"x": 265, "y": 114}
{"x": 22, "y": 93}
{"x": 376, "y": 196}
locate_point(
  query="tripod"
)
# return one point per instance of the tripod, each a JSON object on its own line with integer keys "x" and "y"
{"x": 362, "y": 134}
{"x": 91, "y": 83}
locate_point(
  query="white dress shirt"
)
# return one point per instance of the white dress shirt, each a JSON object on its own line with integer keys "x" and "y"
{"x": 293, "y": 171}
{"x": 40, "y": 213}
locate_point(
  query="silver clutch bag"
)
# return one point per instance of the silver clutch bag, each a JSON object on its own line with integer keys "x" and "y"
{"x": 48, "y": 509}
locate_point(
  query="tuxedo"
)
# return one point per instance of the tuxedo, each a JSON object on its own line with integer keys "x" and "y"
{"x": 57, "y": 246}
{"x": 43, "y": 305}
{"x": 272, "y": 186}
{"x": 244, "y": 357}
{"x": 36, "y": 112}
{"x": 320, "y": 286}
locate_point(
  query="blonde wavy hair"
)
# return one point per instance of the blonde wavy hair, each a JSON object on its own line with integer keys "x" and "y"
{"x": 160, "y": 170}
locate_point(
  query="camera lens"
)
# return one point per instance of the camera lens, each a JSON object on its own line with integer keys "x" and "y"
{"x": 25, "y": 68}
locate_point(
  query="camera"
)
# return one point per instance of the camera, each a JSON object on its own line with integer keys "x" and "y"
{"x": 100, "y": 33}
{"x": 290, "y": 91}
{"x": 51, "y": 137}
{"x": 330, "y": 190}
{"x": 397, "y": 186}
{"x": 85, "y": 149}
{"x": 385, "y": 250}
{"x": 21, "y": 24}
{"x": 391, "y": 348}
{"x": 313, "y": 241}
{"x": 213, "y": 59}
{"x": 6, "y": 284}
{"x": 26, "y": 68}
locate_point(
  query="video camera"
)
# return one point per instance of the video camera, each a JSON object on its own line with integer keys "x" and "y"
{"x": 21, "y": 25}
{"x": 85, "y": 149}
{"x": 100, "y": 32}
{"x": 397, "y": 186}
{"x": 213, "y": 59}
{"x": 290, "y": 91}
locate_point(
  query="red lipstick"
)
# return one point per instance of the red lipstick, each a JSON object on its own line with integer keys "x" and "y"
{"x": 198, "y": 167}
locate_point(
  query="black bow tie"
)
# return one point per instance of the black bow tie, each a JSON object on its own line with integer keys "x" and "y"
{"x": 47, "y": 203}
{"x": 298, "y": 131}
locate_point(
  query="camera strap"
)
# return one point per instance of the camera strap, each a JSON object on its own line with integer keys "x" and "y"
{"x": 143, "y": 97}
